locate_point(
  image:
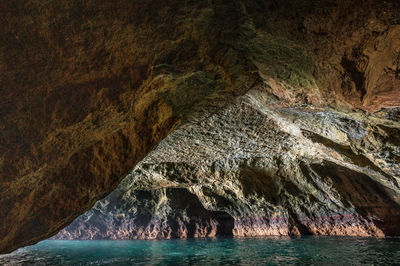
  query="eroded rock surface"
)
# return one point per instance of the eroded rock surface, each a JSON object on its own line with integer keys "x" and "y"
{"x": 253, "y": 170}
{"x": 89, "y": 88}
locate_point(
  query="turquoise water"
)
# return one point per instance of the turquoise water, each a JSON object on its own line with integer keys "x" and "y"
{"x": 220, "y": 251}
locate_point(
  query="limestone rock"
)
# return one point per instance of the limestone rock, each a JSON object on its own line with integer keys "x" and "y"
{"x": 89, "y": 88}
{"x": 253, "y": 170}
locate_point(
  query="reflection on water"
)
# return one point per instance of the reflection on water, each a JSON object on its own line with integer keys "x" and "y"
{"x": 228, "y": 251}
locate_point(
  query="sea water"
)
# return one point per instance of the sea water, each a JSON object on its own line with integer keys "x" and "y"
{"x": 218, "y": 251}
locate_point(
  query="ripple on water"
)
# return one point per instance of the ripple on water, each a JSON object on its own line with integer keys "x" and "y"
{"x": 228, "y": 251}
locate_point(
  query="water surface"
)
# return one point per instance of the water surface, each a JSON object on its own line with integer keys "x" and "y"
{"x": 219, "y": 251}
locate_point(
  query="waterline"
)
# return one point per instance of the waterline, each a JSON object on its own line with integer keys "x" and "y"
{"x": 219, "y": 251}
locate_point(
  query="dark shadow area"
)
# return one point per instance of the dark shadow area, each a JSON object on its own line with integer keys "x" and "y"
{"x": 371, "y": 199}
{"x": 355, "y": 75}
{"x": 182, "y": 200}
{"x": 357, "y": 159}
{"x": 393, "y": 134}
{"x": 261, "y": 182}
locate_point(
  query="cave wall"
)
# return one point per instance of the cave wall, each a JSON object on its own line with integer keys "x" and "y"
{"x": 269, "y": 171}
{"x": 89, "y": 88}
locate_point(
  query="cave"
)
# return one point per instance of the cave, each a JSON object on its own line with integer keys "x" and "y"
{"x": 178, "y": 120}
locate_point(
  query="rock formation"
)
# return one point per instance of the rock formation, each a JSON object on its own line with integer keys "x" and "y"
{"x": 279, "y": 117}
{"x": 253, "y": 170}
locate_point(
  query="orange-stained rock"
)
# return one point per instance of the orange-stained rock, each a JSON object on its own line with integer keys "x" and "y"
{"x": 88, "y": 89}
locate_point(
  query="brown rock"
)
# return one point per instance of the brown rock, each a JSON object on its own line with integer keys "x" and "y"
{"x": 88, "y": 89}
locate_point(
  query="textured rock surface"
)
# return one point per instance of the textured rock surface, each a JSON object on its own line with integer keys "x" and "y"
{"x": 253, "y": 170}
{"x": 90, "y": 88}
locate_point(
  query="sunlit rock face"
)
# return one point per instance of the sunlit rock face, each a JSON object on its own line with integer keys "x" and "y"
{"x": 255, "y": 170}
{"x": 90, "y": 88}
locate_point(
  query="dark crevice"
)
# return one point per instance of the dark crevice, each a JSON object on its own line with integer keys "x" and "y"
{"x": 393, "y": 134}
{"x": 260, "y": 182}
{"x": 294, "y": 221}
{"x": 181, "y": 200}
{"x": 355, "y": 75}
{"x": 357, "y": 159}
{"x": 371, "y": 199}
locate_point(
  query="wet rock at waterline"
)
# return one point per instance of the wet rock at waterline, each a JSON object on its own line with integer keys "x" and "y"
{"x": 258, "y": 99}
{"x": 253, "y": 170}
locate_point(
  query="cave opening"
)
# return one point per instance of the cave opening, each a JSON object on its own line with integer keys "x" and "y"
{"x": 182, "y": 199}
